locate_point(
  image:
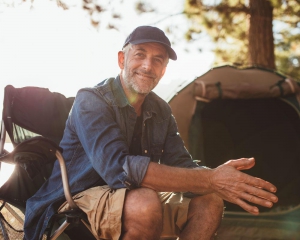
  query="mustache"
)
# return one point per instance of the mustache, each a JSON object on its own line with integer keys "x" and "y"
{"x": 146, "y": 73}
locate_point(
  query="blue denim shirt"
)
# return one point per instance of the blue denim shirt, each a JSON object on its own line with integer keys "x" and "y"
{"x": 96, "y": 144}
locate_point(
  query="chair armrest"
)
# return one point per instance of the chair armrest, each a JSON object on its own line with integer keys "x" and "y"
{"x": 65, "y": 180}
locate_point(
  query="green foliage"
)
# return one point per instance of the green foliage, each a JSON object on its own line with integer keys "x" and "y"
{"x": 227, "y": 22}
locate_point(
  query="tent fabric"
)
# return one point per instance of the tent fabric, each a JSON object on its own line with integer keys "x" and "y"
{"x": 232, "y": 83}
{"x": 279, "y": 225}
{"x": 258, "y": 229}
{"x": 267, "y": 129}
{"x": 229, "y": 113}
{"x": 228, "y": 82}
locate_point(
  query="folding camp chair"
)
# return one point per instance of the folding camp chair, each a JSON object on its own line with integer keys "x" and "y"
{"x": 34, "y": 118}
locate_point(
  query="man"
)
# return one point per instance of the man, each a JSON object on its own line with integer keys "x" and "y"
{"x": 125, "y": 158}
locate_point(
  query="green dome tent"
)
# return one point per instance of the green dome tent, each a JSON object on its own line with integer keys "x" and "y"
{"x": 229, "y": 113}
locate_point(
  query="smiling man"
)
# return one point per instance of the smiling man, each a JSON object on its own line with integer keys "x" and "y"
{"x": 128, "y": 166}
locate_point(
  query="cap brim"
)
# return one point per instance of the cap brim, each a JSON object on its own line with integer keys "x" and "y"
{"x": 171, "y": 52}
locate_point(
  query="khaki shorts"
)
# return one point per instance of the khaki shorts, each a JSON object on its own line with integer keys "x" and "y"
{"x": 103, "y": 207}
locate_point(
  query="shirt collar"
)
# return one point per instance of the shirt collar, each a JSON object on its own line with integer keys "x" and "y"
{"x": 119, "y": 93}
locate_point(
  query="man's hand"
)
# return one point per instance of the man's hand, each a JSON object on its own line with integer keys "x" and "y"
{"x": 240, "y": 188}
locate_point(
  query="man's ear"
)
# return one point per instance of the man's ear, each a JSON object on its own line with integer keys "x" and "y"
{"x": 121, "y": 58}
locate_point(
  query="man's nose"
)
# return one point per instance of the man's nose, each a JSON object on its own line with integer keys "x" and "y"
{"x": 147, "y": 64}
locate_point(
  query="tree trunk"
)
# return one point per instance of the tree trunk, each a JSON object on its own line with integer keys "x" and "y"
{"x": 261, "y": 41}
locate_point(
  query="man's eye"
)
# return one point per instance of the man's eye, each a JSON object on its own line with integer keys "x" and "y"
{"x": 158, "y": 60}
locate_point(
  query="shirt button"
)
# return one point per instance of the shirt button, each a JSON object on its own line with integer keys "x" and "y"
{"x": 146, "y": 151}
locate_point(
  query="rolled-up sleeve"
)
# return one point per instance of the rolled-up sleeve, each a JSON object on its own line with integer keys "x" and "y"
{"x": 105, "y": 145}
{"x": 135, "y": 168}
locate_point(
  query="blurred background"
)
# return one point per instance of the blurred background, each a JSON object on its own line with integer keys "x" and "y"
{"x": 65, "y": 45}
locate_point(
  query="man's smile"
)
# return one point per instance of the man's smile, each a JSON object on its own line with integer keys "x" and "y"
{"x": 145, "y": 75}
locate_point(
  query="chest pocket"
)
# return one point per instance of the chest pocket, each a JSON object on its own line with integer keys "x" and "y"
{"x": 158, "y": 131}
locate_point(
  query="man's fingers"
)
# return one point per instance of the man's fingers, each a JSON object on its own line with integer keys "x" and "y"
{"x": 259, "y": 183}
{"x": 256, "y": 200}
{"x": 242, "y": 163}
{"x": 247, "y": 207}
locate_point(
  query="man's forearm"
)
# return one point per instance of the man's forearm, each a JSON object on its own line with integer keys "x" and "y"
{"x": 173, "y": 179}
{"x": 227, "y": 181}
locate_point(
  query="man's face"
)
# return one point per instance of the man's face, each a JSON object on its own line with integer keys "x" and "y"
{"x": 142, "y": 66}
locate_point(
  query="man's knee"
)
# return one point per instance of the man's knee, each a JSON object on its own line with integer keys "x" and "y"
{"x": 204, "y": 217}
{"x": 214, "y": 200}
{"x": 142, "y": 213}
{"x": 210, "y": 203}
{"x": 142, "y": 201}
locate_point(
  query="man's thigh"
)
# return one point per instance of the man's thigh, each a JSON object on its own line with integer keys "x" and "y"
{"x": 103, "y": 207}
{"x": 175, "y": 211}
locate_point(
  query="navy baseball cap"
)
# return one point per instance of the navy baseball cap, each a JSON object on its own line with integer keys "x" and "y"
{"x": 145, "y": 34}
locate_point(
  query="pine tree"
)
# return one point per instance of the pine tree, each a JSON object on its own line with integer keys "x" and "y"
{"x": 250, "y": 32}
